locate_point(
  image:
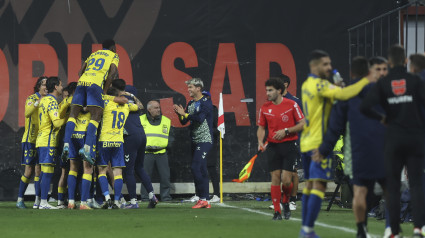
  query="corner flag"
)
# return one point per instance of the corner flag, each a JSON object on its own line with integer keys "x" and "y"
{"x": 220, "y": 123}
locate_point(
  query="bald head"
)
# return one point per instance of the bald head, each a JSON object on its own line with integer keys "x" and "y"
{"x": 154, "y": 109}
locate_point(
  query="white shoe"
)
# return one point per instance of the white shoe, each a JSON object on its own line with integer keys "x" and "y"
{"x": 94, "y": 204}
{"x": 194, "y": 198}
{"x": 387, "y": 233}
{"x": 272, "y": 207}
{"x": 52, "y": 199}
{"x": 62, "y": 206}
{"x": 214, "y": 199}
{"x": 292, "y": 206}
{"x": 47, "y": 206}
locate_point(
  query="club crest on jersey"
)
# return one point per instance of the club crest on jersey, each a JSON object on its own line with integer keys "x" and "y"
{"x": 270, "y": 110}
{"x": 398, "y": 87}
{"x": 285, "y": 118}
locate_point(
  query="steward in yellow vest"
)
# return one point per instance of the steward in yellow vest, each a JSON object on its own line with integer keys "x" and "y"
{"x": 156, "y": 134}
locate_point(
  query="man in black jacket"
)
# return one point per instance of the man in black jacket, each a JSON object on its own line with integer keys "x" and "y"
{"x": 402, "y": 97}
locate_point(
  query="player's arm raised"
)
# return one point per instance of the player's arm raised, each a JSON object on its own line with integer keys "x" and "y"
{"x": 136, "y": 100}
{"x": 31, "y": 106}
{"x": 333, "y": 92}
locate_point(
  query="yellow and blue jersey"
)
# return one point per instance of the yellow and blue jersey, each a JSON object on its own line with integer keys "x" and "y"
{"x": 82, "y": 122}
{"x": 64, "y": 106}
{"x": 114, "y": 117}
{"x": 31, "y": 119}
{"x": 97, "y": 68}
{"x": 318, "y": 96}
{"x": 48, "y": 112}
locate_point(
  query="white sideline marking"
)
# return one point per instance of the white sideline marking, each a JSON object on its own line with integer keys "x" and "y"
{"x": 348, "y": 230}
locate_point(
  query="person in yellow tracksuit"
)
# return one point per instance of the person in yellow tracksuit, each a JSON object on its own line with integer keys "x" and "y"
{"x": 29, "y": 156}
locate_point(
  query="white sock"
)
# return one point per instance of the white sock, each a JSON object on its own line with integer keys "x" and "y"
{"x": 83, "y": 203}
{"x": 123, "y": 201}
{"x": 71, "y": 201}
{"x": 117, "y": 202}
{"x": 133, "y": 201}
{"x": 37, "y": 200}
{"x": 65, "y": 145}
{"x": 307, "y": 229}
{"x": 151, "y": 195}
{"x": 107, "y": 197}
{"x": 43, "y": 202}
{"x": 90, "y": 200}
{"x": 20, "y": 199}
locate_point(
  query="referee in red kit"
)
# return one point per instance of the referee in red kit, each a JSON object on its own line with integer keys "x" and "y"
{"x": 283, "y": 119}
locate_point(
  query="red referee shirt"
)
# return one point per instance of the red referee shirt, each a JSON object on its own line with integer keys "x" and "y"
{"x": 279, "y": 117}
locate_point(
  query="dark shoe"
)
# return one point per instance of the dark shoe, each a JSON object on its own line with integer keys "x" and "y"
{"x": 114, "y": 206}
{"x": 107, "y": 204}
{"x": 153, "y": 202}
{"x": 277, "y": 216}
{"x": 286, "y": 211}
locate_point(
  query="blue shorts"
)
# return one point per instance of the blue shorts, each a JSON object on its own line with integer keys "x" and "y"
{"x": 111, "y": 152}
{"x": 319, "y": 171}
{"x": 77, "y": 142}
{"x": 47, "y": 155}
{"x": 88, "y": 96}
{"x": 29, "y": 154}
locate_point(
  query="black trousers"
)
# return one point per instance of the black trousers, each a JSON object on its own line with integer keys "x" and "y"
{"x": 400, "y": 151}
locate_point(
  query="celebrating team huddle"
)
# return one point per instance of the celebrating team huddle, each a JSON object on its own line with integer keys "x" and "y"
{"x": 90, "y": 102}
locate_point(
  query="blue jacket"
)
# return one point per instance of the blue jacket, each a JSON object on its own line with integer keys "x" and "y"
{"x": 365, "y": 137}
{"x": 133, "y": 126}
{"x": 201, "y": 120}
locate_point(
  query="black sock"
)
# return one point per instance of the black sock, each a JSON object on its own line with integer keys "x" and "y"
{"x": 361, "y": 229}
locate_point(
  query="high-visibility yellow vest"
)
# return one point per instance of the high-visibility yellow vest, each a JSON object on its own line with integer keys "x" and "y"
{"x": 156, "y": 136}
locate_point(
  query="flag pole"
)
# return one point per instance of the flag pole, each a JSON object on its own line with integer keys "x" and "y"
{"x": 221, "y": 169}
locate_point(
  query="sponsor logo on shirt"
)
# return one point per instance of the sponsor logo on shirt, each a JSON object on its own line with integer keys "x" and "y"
{"x": 401, "y": 99}
{"x": 398, "y": 87}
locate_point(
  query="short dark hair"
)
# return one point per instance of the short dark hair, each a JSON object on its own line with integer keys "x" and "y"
{"x": 112, "y": 91}
{"x": 71, "y": 88}
{"x": 38, "y": 83}
{"x": 417, "y": 61}
{"x": 107, "y": 44}
{"x": 359, "y": 67}
{"x": 119, "y": 84}
{"x": 397, "y": 55}
{"x": 377, "y": 60}
{"x": 276, "y": 83}
{"x": 51, "y": 83}
{"x": 317, "y": 54}
{"x": 284, "y": 78}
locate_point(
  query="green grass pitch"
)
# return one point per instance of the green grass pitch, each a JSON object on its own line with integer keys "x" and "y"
{"x": 169, "y": 220}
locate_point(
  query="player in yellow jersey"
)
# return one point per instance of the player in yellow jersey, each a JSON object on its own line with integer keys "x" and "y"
{"x": 96, "y": 74}
{"x": 47, "y": 141}
{"x": 29, "y": 156}
{"x": 64, "y": 106}
{"x": 318, "y": 95}
{"x": 110, "y": 144}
